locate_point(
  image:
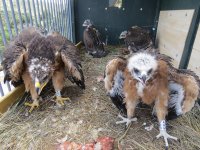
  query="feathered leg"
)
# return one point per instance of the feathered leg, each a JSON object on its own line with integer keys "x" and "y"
{"x": 30, "y": 87}
{"x": 161, "y": 110}
{"x": 130, "y": 106}
{"x": 58, "y": 83}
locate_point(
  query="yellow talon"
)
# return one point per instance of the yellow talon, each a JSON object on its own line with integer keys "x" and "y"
{"x": 60, "y": 100}
{"x": 33, "y": 105}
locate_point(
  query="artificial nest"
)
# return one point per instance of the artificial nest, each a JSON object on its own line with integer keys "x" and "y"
{"x": 89, "y": 115}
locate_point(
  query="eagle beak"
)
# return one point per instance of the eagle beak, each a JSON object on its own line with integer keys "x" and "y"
{"x": 144, "y": 78}
{"x": 38, "y": 87}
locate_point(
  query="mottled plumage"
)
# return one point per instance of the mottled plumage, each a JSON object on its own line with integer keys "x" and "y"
{"x": 35, "y": 58}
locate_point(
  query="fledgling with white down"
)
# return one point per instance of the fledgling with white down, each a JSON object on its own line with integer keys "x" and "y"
{"x": 152, "y": 79}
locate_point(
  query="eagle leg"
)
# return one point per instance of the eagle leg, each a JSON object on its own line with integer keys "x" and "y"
{"x": 166, "y": 136}
{"x": 161, "y": 111}
{"x": 125, "y": 120}
{"x": 130, "y": 105}
{"x": 32, "y": 105}
{"x": 60, "y": 100}
{"x": 58, "y": 83}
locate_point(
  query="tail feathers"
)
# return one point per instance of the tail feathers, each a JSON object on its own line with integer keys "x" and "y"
{"x": 118, "y": 102}
{"x": 176, "y": 99}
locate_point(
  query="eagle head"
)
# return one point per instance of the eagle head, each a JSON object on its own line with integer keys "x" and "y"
{"x": 142, "y": 66}
{"x": 87, "y": 23}
{"x": 123, "y": 35}
{"x": 41, "y": 71}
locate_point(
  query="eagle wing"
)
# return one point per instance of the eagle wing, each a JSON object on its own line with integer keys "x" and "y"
{"x": 14, "y": 62}
{"x": 15, "y": 55}
{"x": 114, "y": 80}
{"x": 184, "y": 88}
{"x": 72, "y": 65}
{"x": 67, "y": 55}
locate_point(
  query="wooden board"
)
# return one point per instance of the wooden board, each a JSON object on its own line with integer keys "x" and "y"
{"x": 194, "y": 63}
{"x": 173, "y": 27}
{"x": 7, "y": 100}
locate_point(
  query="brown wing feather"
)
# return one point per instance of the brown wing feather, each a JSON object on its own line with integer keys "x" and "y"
{"x": 114, "y": 82}
{"x": 74, "y": 70}
{"x": 67, "y": 54}
{"x": 13, "y": 62}
{"x": 181, "y": 75}
{"x": 111, "y": 70}
{"x": 15, "y": 53}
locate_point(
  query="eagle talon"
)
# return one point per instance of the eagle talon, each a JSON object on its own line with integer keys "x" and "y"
{"x": 32, "y": 105}
{"x": 60, "y": 100}
{"x": 166, "y": 136}
{"x": 125, "y": 120}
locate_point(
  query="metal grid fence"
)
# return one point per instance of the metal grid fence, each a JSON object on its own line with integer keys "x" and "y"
{"x": 51, "y": 15}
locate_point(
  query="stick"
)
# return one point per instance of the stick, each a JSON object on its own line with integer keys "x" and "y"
{"x": 118, "y": 142}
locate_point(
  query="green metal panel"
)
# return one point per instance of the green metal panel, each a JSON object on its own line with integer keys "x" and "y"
{"x": 179, "y": 4}
{"x": 190, "y": 40}
{"x": 112, "y": 21}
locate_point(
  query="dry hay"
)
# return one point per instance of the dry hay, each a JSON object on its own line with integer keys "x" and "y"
{"x": 90, "y": 114}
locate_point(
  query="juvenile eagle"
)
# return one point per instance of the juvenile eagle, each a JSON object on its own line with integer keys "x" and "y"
{"x": 136, "y": 39}
{"x": 151, "y": 79}
{"x": 91, "y": 38}
{"x": 35, "y": 59}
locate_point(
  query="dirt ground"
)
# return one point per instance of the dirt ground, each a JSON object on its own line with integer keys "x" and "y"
{"x": 89, "y": 115}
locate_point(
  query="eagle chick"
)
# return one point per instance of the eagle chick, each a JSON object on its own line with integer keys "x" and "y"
{"x": 35, "y": 59}
{"x": 137, "y": 39}
{"x": 151, "y": 79}
{"x": 91, "y": 38}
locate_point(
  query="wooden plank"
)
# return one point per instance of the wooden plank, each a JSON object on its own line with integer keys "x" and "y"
{"x": 7, "y": 100}
{"x": 194, "y": 63}
{"x": 173, "y": 27}
{"x": 1, "y": 68}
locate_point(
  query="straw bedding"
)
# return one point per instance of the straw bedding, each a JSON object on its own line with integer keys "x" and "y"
{"x": 90, "y": 114}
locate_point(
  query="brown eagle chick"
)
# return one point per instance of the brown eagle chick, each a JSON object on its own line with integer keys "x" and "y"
{"x": 137, "y": 39}
{"x": 151, "y": 79}
{"x": 37, "y": 61}
{"x": 28, "y": 61}
{"x": 91, "y": 38}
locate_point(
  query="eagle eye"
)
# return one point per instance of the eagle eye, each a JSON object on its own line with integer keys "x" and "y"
{"x": 150, "y": 71}
{"x": 136, "y": 70}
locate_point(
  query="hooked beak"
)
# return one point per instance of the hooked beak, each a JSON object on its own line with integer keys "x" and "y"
{"x": 144, "y": 78}
{"x": 39, "y": 87}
